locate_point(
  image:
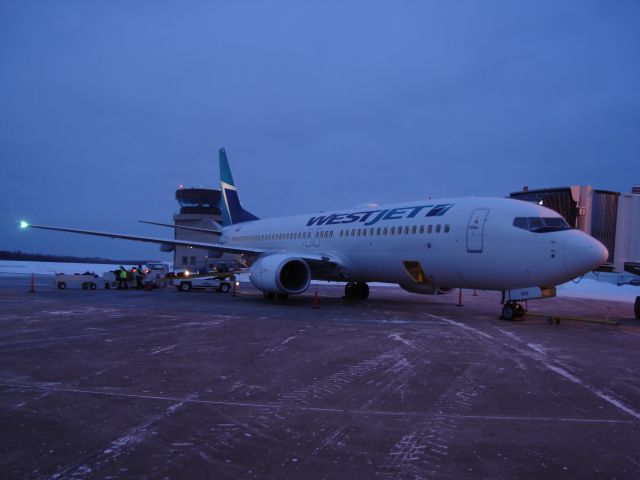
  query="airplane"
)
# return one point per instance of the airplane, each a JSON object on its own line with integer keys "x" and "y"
{"x": 428, "y": 247}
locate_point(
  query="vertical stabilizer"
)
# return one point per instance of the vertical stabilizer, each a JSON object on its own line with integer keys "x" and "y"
{"x": 232, "y": 211}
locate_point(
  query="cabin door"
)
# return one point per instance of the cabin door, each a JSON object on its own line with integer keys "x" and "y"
{"x": 475, "y": 230}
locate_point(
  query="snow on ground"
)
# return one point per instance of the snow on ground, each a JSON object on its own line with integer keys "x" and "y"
{"x": 13, "y": 267}
{"x": 585, "y": 288}
{"x": 591, "y": 288}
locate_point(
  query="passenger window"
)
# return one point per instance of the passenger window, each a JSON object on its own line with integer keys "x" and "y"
{"x": 438, "y": 228}
{"x": 378, "y": 231}
{"x": 413, "y": 229}
{"x": 430, "y": 229}
{"x": 406, "y": 230}
{"x": 384, "y": 230}
{"x": 421, "y": 228}
{"x": 447, "y": 227}
{"x": 371, "y": 230}
{"x": 392, "y": 230}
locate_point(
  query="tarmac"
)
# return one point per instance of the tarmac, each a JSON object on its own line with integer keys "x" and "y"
{"x": 204, "y": 385}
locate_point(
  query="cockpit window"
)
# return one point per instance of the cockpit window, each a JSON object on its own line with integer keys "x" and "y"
{"x": 540, "y": 224}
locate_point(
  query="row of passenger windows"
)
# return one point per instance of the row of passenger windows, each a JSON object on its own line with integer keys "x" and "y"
{"x": 349, "y": 232}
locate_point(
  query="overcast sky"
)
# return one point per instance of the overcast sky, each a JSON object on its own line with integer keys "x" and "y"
{"x": 105, "y": 107}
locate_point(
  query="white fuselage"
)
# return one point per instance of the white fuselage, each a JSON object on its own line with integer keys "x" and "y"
{"x": 462, "y": 242}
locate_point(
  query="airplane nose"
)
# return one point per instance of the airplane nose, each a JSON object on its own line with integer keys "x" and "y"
{"x": 583, "y": 253}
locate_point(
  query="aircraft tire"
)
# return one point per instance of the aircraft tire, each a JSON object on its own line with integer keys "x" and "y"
{"x": 508, "y": 312}
{"x": 362, "y": 290}
{"x": 349, "y": 290}
{"x": 283, "y": 296}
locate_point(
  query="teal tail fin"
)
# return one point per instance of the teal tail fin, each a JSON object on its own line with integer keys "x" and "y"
{"x": 232, "y": 211}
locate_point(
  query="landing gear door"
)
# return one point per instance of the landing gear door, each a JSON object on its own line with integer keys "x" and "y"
{"x": 475, "y": 230}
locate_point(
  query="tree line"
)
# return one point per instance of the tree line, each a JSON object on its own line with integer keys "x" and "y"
{"x": 41, "y": 257}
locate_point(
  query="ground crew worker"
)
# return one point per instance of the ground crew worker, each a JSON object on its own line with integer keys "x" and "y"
{"x": 139, "y": 277}
{"x": 122, "y": 278}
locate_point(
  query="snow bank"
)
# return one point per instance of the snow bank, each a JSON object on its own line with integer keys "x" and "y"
{"x": 11, "y": 267}
{"x": 590, "y": 288}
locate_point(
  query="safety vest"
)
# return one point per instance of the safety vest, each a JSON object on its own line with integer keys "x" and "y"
{"x": 123, "y": 274}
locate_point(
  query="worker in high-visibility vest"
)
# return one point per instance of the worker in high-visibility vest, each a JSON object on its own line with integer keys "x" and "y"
{"x": 122, "y": 278}
{"x": 139, "y": 274}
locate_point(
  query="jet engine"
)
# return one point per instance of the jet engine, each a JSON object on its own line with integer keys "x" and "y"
{"x": 425, "y": 288}
{"x": 280, "y": 273}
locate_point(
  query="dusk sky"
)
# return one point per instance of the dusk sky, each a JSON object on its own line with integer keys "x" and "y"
{"x": 106, "y": 107}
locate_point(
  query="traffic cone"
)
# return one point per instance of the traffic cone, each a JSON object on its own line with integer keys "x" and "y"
{"x": 315, "y": 299}
{"x": 33, "y": 283}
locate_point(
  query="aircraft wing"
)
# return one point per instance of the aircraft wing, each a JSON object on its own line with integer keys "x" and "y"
{"x": 316, "y": 261}
{"x": 166, "y": 241}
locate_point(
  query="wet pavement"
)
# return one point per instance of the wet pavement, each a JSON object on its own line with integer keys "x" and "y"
{"x": 162, "y": 384}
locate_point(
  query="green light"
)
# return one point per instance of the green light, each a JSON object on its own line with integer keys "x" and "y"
{"x": 23, "y": 224}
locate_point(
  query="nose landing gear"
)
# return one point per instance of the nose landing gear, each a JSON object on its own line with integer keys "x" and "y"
{"x": 512, "y": 311}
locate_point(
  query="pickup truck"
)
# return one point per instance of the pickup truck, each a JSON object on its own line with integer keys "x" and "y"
{"x": 219, "y": 283}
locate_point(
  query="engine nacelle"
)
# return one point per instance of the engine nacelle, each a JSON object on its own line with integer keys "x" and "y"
{"x": 425, "y": 288}
{"x": 280, "y": 273}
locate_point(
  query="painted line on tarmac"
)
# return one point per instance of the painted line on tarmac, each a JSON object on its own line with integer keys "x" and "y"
{"x": 596, "y": 391}
{"x": 534, "y": 353}
{"x": 276, "y": 406}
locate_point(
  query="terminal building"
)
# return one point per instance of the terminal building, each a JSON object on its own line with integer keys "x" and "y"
{"x": 198, "y": 208}
{"x": 611, "y": 217}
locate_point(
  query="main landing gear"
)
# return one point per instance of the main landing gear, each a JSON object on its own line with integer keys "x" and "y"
{"x": 512, "y": 311}
{"x": 271, "y": 295}
{"x": 356, "y": 290}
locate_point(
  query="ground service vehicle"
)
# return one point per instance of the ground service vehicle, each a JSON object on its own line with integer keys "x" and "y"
{"x": 219, "y": 283}
{"x": 88, "y": 281}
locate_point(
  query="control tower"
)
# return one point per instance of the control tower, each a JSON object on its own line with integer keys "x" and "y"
{"x": 198, "y": 208}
